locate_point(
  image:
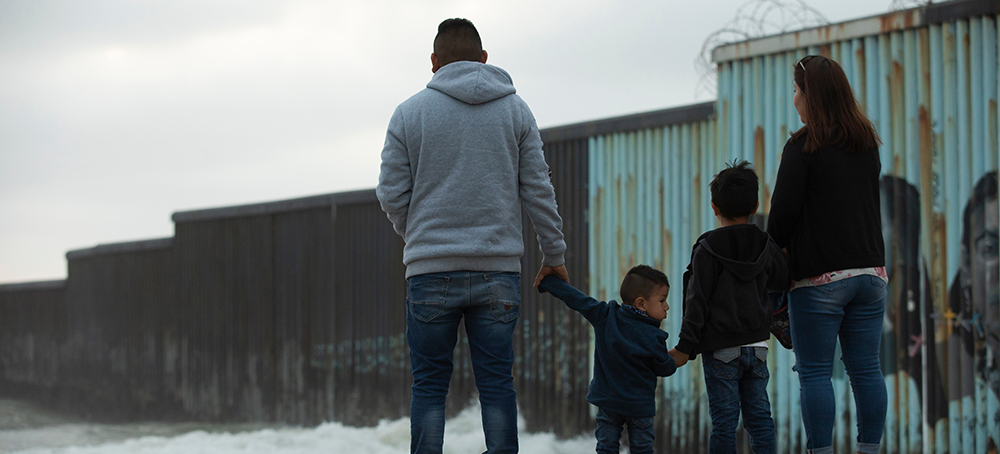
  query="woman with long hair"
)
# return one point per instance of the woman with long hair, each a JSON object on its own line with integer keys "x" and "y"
{"x": 825, "y": 213}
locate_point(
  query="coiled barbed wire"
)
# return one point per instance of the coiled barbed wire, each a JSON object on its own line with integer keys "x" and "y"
{"x": 907, "y": 4}
{"x": 759, "y": 18}
{"x": 754, "y": 19}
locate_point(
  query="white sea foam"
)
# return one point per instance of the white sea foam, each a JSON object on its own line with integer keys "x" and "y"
{"x": 463, "y": 435}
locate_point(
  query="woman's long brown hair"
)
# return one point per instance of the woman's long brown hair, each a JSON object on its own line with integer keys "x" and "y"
{"x": 832, "y": 112}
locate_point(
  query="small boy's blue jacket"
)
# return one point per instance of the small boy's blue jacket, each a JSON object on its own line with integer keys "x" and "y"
{"x": 629, "y": 353}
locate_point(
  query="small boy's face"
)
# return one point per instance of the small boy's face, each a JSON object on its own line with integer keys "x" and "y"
{"x": 656, "y": 306}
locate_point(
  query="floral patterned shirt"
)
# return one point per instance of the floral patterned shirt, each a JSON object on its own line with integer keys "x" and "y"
{"x": 834, "y": 276}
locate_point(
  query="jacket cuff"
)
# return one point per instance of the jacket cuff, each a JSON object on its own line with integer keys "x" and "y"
{"x": 547, "y": 284}
{"x": 685, "y": 347}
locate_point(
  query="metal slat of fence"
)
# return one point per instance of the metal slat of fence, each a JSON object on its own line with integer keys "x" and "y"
{"x": 552, "y": 352}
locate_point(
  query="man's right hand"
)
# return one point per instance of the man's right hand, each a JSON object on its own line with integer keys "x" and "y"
{"x": 558, "y": 271}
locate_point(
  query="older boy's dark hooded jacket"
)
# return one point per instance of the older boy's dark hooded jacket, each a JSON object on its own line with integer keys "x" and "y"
{"x": 725, "y": 289}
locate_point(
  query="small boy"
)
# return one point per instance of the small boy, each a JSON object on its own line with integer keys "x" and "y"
{"x": 629, "y": 353}
{"x": 727, "y": 314}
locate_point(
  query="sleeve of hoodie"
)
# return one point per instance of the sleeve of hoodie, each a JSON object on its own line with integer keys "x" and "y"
{"x": 788, "y": 196}
{"x": 395, "y": 182}
{"x": 777, "y": 275}
{"x": 593, "y": 310}
{"x": 537, "y": 194}
{"x": 663, "y": 365}
{"x": 696, "y": 308}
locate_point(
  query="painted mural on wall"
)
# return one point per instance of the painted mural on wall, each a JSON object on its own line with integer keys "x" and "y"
{"x": 974, "y": 300}
{"x": 908, "y": 324}
{"x": 962, "y": 345}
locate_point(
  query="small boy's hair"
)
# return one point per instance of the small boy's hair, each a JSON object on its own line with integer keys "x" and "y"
{"x": 457, "y": 40}
{"x": 640, "y": 281}
{"x": 734, "y": 190}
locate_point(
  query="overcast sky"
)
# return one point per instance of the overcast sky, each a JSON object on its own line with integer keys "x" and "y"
{"x": 114, "y": 114}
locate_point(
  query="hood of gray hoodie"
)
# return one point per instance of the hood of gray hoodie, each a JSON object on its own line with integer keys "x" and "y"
{"x": 472, "y": 82}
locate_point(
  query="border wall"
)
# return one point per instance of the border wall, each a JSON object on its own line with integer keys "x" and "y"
{"x": 293, "y": 311}
{"x": 289, "y": 312}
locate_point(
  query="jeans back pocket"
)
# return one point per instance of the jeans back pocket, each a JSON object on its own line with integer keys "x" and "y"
{"x": 724, "y": 363}
{"x": 726, "y": 355}
{"x": 426, "y": 295}
{"x": 760, "y": 365}
{"x": 505, "y": 295}
{"x": 877, "y": 281}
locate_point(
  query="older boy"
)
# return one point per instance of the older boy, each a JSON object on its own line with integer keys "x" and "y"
{"x": 727, "y": 314}
{"x": 629, "y": 353}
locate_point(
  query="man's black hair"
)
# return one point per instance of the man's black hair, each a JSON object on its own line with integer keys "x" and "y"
{"x": 734, "y": 190}
{"x": 457, "y": 40}
{"x": 640, "y": 281}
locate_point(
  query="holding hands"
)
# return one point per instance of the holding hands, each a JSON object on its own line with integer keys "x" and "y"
{"x": 558, "y": 271}
{"x": 679, "y": 358}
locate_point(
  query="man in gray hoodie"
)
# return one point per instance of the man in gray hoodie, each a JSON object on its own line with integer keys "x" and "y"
{"x": 461, "y": 158}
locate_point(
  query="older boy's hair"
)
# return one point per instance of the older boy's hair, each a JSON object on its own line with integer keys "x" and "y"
{"x": 640, "y": 281}
{"x": 457, "y": 40}
{"x": 734, "y": 190}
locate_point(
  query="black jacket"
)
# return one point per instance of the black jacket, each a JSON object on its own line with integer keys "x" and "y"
{"x": 725, "y": 289}
{"x": 825, "y": 210}
{"x": 630, "y": 351}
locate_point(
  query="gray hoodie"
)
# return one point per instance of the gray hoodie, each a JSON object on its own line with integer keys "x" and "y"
{"x": 460, "y": 159}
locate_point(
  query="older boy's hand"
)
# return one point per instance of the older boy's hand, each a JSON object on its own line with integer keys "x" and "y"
{"x": 679, "y": 357}
{"x": 558, "y": 271}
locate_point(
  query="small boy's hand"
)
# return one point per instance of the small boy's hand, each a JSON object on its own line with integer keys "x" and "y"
{"x": 679, "y": 357}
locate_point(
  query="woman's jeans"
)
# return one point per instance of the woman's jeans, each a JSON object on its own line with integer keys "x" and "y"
{"x": 609, "y": 432}
{"x": 851, "y": 309}
{"x": 490, "y": 303}
{"x": 736, "y": 382}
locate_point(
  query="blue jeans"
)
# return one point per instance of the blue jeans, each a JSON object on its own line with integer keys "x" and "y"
{"x": 851, "y": 309}
{"x": 609, "y": 431}
{"x": 736, "y": 381}
{"x": 435, "y": 304}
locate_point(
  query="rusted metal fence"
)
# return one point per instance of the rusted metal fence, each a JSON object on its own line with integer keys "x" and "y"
{"x": 32, "y": 332}
{"x": 288, "y": 312}
{"x": 293, "y": 311}
{"x": 928, "y": 79}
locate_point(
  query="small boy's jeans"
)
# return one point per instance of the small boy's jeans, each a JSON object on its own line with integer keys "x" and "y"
{"x": 736, "y": 381}
{"x": 609, "y": 432}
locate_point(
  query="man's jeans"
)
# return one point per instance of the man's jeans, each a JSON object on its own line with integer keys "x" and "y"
{"x": 851, "y": 309}
{"x": 735, "y": 380}
{"x": 435, "y": 304}
{"x": 609, "y": 432}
